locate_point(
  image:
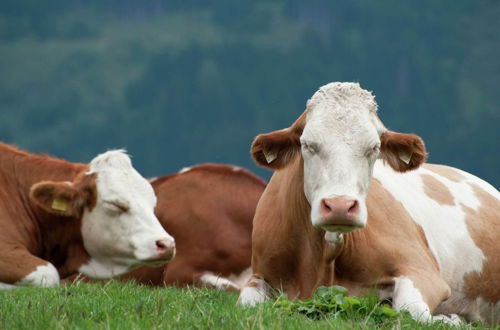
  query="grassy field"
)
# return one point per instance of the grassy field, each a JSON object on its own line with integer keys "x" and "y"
{"x": 117, "y": 305}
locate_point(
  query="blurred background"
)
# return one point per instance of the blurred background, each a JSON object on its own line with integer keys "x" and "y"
{"x": 180, "y": 82}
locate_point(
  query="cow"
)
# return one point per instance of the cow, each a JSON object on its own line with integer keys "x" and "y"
{"x": 58, "y": 218}
{"x": 208, "y": 209}
{"x": 350, "y": 204}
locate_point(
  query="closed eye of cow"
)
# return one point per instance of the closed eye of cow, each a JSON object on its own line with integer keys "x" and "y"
{"x": 116, "y": 206}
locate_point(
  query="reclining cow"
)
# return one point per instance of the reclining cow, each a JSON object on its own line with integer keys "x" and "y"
{"x": 208, "y": 209}
{"x": 59, "y": 218}
{"x": 426, "y": 238}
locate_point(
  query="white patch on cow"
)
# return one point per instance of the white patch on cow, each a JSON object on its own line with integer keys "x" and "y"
{"x": 339, "y": 146}
{"x": 444, "y": 225}
{"x": 334, "y": 238}
{"x": 254, "y": 292}
{"x": 100, "y": 269}
{"x": 45, "y": 276}
{"x": 185, "y": 169}
{"x": 407, "y": 297}
{"x": 121, "y": 231}
{"x": 236, "y": 168}
{"x": 6, "y": 286}
{"x": 218, "y": 282}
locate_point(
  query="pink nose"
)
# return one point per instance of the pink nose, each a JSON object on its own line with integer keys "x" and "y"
{"x": 339, "y": 211}
{"x": 165, "y": 249}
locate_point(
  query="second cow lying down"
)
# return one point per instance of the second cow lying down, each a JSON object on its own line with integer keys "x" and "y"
{"x": 208, "y": 209}
{"x": 58, "y": 218}
{"x": 430, "y": 240}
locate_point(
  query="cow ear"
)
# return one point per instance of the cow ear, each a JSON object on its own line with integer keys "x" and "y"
{"x": 58, "y": 198}
{"x": 403, "y": 152}
{"x": 275, "y": 150}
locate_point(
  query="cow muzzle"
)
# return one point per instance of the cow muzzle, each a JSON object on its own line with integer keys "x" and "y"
{"x": 165, "y": 249}
{"x": 340, "y": 214}
{"x": 161, "y": 252}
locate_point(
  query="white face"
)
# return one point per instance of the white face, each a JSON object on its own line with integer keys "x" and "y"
{"x": 122, "y": 231}
{"x": 340, "y": 143}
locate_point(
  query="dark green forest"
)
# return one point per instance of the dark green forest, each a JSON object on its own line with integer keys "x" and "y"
{"x": 183, "y": 82}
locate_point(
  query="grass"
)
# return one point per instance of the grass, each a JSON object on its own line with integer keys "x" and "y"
{"x": 116, "y": 305}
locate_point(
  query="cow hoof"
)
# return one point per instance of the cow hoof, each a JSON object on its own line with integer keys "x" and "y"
{"x": 250, "y": 296}
{"x": 44, "y": 276}
{"x": 253, "y": 293}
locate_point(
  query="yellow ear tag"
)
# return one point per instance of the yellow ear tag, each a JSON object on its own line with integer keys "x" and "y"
{"x": 59, "y": 204}
{"x": 270, "y": 155}
{"x": 405, "y": 156}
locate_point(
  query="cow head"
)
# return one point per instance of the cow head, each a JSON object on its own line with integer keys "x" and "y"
{"x": 339, "y": 137}
{"x": 116, "y": 207}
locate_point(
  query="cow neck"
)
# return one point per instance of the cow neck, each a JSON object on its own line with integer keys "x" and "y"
{"x": 315, "y": 267}
{"x": 53, "y": 238}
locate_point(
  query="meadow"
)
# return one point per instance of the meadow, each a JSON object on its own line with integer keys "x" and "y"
{"x": 115, "y": 305}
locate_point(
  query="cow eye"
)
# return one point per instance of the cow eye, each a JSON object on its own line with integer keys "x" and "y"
{"x": 309, "y": 147}
{"x": 374, "y": 150}
{"x": 115, "y": 207}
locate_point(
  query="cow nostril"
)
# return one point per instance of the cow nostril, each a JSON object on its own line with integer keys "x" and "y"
{"x": 354, "y": 207}
{"x": 325, "y": 206}
{"x": 161, "y": 246}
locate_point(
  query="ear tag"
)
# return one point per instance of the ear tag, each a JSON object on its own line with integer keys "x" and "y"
{"x": 405, "y": 156}
{"x": 270, "y": 155}
{"x": 59, "y": 204}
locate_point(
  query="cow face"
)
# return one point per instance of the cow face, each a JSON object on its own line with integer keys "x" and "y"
{"x": 339, "y": 137}
{"x": 116, "y": 206}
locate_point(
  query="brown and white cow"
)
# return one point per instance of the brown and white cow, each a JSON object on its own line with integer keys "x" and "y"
{"x": 334, "y": 214}
{"x": 208, "y": 209}
{"x": 58, "y": 218}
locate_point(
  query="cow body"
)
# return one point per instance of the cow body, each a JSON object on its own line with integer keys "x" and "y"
{"x": 428, "y": 242}
{"x": 58, "y": 218}
{"x": 208, "y": 209}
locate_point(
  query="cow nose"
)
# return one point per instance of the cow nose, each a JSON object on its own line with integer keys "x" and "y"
{"x": 165, "y": 248}
{"x": 339, "y": 211}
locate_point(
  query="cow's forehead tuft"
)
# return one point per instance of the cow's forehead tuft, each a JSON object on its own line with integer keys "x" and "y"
{"x": 341, "y": 93}
{"x": 117, "y": 159}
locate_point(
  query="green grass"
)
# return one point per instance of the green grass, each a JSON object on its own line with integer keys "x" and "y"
{"x": 116, "y": 305}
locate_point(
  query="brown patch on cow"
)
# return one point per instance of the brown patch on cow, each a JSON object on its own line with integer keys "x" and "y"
{"x": 287, "y": 250}
{"x": 211, "y": 169}
{"x": 29, "y": 237}
{"x": 484, "y": 228}
{"x": 450, "y": 173}
{"x": 436, "y": 190}
{"x": 284, "y": 144}
{"x": 394, "y": 144}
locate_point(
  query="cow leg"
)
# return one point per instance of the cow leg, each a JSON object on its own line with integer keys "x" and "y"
{"x": 5, "y": 286}
{"x": 420, "y": 293}
{"x": 255, "y": 291}
{"x": 24, "y": 269}
{"x": 211, "y": 280}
